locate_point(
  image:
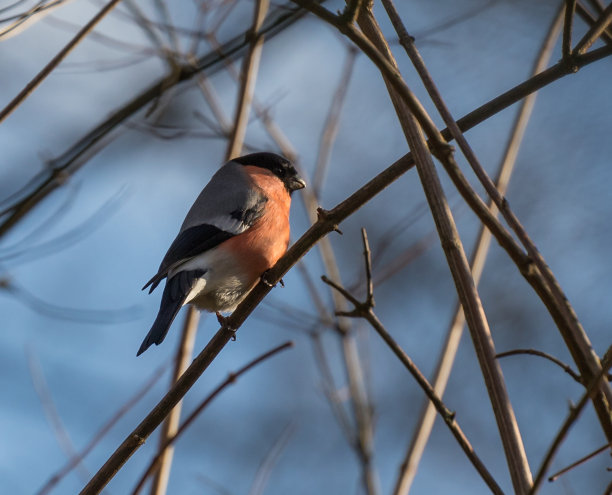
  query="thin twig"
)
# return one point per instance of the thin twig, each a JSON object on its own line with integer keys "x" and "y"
{"x": 330, "y": 129}
{"x": 595, "y": 31}
{"x": 367, "y": 254}
{"x": 52, "y": 414}
{"x": 458, "y": 266}
{"x": 365, "y": 310}
{"x": 567, "y": 424}
{"x": 230, "y": 380}
{"x": 566, "y": 46}
{"x": 248, "y": 76}
{"x": 265, "y": 469}
{"x": 55, "y": 61}
{"x": 606, "y": 36}
{"x": 534, "y": 352}
{"x": 446, "y": 360}
{"x": 73, "y": 462}
{"x": 574, "y": 335}
{"x": 183, "y": 357}
{"x": 582, "y": 460}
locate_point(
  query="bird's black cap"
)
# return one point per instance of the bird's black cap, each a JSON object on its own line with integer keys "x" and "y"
{"x": 278, "y": 165}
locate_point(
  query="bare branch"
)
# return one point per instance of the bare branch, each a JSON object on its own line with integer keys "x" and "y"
{"x": 595, "y": 32}
{"x": 575, "y": 337}
{"x": 52, "y": 414}
{"x": 606, "y": 36}
{"x": 247, "y": 81}
{"x": 569, "y": 421}
{"x": 458, "y": 265}
{"x": 74, "y": 461}
{"x": 330, "y": 129}
{"x": 566, "y": 47}
{"x": 55, "y": 61}
{"x": 534, "y": 352}
{"x": 478, "y": 259}
{"x": 170, "y": 427}
{"x": 263, "y": 473}
{"x": 230, "y": 380}
{"x": 364, "y": 310}
{"x": 582, "y": 460}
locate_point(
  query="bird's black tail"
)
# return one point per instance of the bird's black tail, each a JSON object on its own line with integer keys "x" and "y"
{"x": 176, "y": 290}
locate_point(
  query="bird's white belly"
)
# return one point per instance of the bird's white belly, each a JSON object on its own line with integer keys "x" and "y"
{"x": 223, "y": 285}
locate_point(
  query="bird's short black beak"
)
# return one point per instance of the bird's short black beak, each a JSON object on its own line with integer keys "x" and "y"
{"x": 296, "y": 183}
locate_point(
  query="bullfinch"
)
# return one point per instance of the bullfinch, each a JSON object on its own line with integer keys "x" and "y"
{"x": 237, "y": 229}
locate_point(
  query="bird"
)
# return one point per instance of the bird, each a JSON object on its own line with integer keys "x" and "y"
{"x": 236, "y": 230}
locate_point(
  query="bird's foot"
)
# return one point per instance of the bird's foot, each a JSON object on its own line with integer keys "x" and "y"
{"x": 223, "y": 322}
{"x": 264, "y": 279}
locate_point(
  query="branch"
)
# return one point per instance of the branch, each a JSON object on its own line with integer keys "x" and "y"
{"x": 595, "y": 32}
{"x": 73, "y": 462}
{"x": 566, "y": 46}
{"x": 364, "y": 310}
{"x": 183, "y": 356}
{"x": 569, "y": 421}
{"x": 250, "y": 66}
{"x": 606, "y": 36}
{"x": 230, "y": 380}
{"x": 534, "y": 352}
{"x": 55, "y": 61}
{"x": 445, "y": 363}
{"x": 574, "y": 335}
{"x": 459, "y": 268}
{"x": 582, "y": 460}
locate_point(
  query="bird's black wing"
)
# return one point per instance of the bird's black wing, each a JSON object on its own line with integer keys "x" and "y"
{"x": 200, "y": 238}
{"x": 175, "y": 292}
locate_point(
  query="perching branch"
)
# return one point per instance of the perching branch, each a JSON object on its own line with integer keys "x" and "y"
{"x": 230, "y": 380}
{"x": 249, "y": 71}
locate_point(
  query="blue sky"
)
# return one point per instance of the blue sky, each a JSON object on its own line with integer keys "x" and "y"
{"x": 560, "y": 191}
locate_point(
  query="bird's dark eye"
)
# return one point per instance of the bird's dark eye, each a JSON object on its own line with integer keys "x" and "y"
{"x": 280, "y": 171}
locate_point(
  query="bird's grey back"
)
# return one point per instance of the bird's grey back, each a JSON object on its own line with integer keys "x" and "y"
{"x": 230, "y": 189}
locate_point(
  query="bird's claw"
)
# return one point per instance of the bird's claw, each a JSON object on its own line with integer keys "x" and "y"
{"x": 223, "y": 322}
{"x": 265, "y": 280}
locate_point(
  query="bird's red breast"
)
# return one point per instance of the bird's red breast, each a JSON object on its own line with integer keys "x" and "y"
{"x": 261, "y": 246}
